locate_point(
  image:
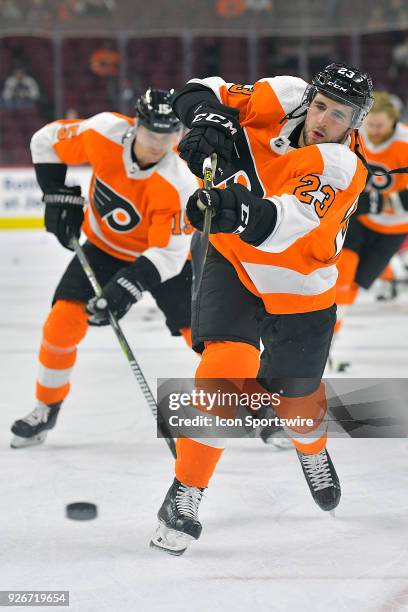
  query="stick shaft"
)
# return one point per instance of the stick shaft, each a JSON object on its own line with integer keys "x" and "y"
{"x": 209, "y": 167}
{"x": 126, "y": 350}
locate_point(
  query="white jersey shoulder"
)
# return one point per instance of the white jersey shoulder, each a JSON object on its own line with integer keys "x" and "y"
{"x": 109, "y": 125}
{"x": 42, "y": 143}
{"x": 340, "y": 164}
{"x": 214, "y": 83}
{"x": 288, "y": 89}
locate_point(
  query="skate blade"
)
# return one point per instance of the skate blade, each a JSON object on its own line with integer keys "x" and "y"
{"x": 19, "y": 442}
{"x": 170, "y": 541}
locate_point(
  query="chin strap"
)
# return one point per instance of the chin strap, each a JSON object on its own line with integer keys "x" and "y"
{"x": 292, "y": 115}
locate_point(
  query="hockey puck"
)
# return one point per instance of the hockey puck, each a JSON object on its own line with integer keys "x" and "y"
{"x": 81, "y": 511}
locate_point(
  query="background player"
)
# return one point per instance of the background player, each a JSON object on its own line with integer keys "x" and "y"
{"x": 137, "y": 236}
{"x": 292, "y": 146}
{"x": 380, "y": 225}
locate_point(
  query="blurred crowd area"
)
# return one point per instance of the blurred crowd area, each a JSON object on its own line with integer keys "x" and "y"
{"x": 314, "y": 16}
{"x": 13, "y": 12}
{"x": 62, "y": 75}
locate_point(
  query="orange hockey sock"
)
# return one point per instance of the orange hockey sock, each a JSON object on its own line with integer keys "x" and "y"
{"x": 196, "y": 462}
{"x": 197, "y": 459}
{"x": 309, "y": 436}
{"x": 64, "y": 328}
{"x": 228, "y": 360}
{"x": 387, "y": 274}
{"x": 346, "y": 288}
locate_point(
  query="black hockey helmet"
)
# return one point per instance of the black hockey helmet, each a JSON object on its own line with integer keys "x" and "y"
{"x": 346, "y": 85}
{"x": 153, "y": 110}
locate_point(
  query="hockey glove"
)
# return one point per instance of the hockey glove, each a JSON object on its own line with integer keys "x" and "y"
{"x": 214, "y": 128}
{"x": 370, "y": 202}
{"x": 123, "y": 290}
{"x": 117, "y": 296}
{"x": 64, "y": 213}
{"x": 235, "y": 210}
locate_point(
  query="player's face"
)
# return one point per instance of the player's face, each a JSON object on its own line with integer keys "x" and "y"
{"x": 379, "y": 127}
{"x": 150, "y": 146}
{"x": 326, "y": 121}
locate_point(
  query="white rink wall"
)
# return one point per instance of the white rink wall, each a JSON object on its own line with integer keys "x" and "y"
{"x": 20, "y": 195}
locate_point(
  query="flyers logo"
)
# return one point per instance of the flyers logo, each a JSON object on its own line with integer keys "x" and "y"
{"x": 381, "y": 182}
{"x": 118, "y": 213}
{"x": 245, "y": 90}
{"x": 311, "y": 191}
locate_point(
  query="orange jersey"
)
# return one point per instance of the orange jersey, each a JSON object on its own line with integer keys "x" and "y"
{"x": 314, "y": 188}
{"x": 388, "y": 155}
{"x": 131, "y": 211}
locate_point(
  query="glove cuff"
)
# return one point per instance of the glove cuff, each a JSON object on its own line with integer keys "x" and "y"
{"x": 62, "y": 196}
{"x": 135, "y": 289}
{"x": 62, "y": 199}
{"x": 142, "y": 273}
{"x": 257, "y": 216}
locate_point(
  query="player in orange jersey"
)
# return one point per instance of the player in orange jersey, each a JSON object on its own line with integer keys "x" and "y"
{"x": 287, "y": 160}
{"x": 380, "y": 225}
{"x": 138, "y": 236}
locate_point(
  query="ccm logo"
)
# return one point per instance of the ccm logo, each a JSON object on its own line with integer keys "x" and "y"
{"x": 244, "y": 219}
{"x": 215, "y": 118}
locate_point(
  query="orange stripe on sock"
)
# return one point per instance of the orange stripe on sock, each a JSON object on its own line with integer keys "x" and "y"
{"x": 314, "y": 447}
{"x": 56, "y": 361}
{"x": 51, "y": 396}
{"x": 195, "y": 462}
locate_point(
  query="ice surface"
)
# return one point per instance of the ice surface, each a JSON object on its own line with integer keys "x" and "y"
{"x": 265, "y": 544}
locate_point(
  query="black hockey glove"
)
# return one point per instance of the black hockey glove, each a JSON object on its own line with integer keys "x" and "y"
{"x": 214, "y": 127}
{"x": 235, "y": 210}
{"x": 64, "y": 213}
{"x": 123, "y": 290}
{"x": 370, "y": 202}
{"x": 117, "y": 296}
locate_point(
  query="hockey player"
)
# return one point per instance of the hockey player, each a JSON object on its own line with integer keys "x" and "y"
{"x": 380, "y": 225}
{"x": 138, "y": 236}
{"x": 287, "y": 160}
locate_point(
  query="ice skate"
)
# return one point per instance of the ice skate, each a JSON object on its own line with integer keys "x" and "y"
{"x": 322, "y": 479}
{"x": 32, "y": 429}
{"x": 178, "y": 519}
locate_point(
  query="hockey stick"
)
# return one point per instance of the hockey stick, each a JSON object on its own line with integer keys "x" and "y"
{"x": 209, "y": 168}
{"x": 126, "y": 350}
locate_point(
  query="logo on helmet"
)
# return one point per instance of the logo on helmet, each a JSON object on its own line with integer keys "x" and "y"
{"x": 337, "y": 86}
